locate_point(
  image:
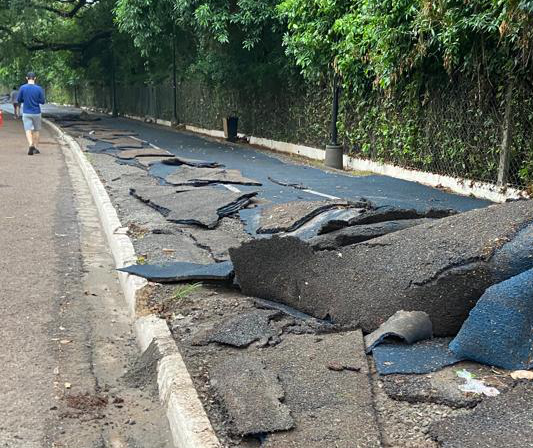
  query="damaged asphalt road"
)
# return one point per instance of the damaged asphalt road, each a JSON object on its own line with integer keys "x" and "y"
{"x": 278, "y": 377}
{"x": 441, "y": 267}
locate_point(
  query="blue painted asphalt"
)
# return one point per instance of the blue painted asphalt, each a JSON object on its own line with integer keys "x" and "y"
{"x": 260, "y": 165}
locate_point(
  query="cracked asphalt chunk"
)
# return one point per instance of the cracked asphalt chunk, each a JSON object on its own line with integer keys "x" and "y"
{"x": 441, "y": 267}
{"x": 242, "y": 330}
{"x": 290, "y": 216}
{"x": 497, "y": 422}
{"x": 331, "y": 408}
{"x": 383, "y": 214}
{"x": 189, "y": 205}
{"x": 251, "y": 395}
{"x": 360, "y": 233}
{"x": 190, "y": 175}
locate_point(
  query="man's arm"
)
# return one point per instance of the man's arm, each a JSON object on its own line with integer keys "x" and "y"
{"x": 42, "y": 100}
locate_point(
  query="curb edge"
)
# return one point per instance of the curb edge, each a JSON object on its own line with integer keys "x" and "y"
{"x": 188, "y": 421}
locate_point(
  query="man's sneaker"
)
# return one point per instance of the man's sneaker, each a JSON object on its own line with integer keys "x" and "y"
{"x": 36, "y": 151}
{"x": 31, "y": 151}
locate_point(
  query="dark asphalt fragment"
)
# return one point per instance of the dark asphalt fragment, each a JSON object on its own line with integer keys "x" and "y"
{"x": 501, "y": 421}
{"x": 360, "y": 233}
{"x": 331, "y": 408}
{"x": 421, "y": 357}
{"x": 428, "y": 389}
{"x": 289, "y": 216}
{"x": 181, "y": 271}
{"x": 242, "y": 330}
{"x": 189, "y": 205}
{"x": 191, "y": 162}
{"x": 144, "y": 152}
{"x": 409, "y": 326}
{"x": 190, "y": 175}
{"x": 441, "y": 267}
{"x": 383, "y": 214}
{"x": 252, "y": 396}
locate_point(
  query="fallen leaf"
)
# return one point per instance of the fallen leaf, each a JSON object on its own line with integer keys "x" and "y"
{"x": 522, "y": 375}
{"x": 56, "y": 371}
{"x": 68, "y": 385}
{"x": 65, "y": 341}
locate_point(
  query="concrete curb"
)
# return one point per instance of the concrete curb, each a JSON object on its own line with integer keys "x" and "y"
{"x": 187, "y": 418}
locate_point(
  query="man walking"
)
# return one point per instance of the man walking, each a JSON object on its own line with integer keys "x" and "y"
{"x": 31, "y": 96}
{"x": 16, "y": 106}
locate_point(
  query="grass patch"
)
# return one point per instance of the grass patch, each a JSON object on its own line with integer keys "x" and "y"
{"x": 182, "y": 292}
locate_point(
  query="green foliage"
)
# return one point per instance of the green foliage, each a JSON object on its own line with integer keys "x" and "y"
{"x": 183, "y": 292}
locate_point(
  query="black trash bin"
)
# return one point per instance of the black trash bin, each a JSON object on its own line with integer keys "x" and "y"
{"x": 230, "y": 128}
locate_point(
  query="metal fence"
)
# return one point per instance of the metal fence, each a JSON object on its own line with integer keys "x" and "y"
{"x": 456, "y": 131}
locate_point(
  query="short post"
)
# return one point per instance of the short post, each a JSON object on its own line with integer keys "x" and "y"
{"x": 334, "y": 151}
{"x": 174, "y": 86}
{"x": 505, "y": 151}
{"x": 113, "y": 84}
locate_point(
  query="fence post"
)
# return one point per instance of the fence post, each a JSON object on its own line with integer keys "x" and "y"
{"x": 505, "y": 151}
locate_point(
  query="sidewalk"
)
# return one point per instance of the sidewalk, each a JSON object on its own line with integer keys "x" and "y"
{"x": 30, "y": 269}
{"x": 65, "y": 331}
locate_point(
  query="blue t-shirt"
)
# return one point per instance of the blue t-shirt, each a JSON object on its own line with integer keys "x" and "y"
{"x": 32, "y": 96}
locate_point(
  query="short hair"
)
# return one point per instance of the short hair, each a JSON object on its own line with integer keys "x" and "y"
{"x": 15, "y": 87}
{"x": 31, "y": 75}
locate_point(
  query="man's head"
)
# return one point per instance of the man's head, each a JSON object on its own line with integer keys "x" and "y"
{"x": 31, "y": 77}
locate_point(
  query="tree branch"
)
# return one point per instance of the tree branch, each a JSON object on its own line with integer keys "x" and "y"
{"x": 70, "y": 46}
{"x": 77, "y": 6}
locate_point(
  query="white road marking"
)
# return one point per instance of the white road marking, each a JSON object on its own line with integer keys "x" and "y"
{"x": 324, "y": 195}
{"x": 232, "y": 188}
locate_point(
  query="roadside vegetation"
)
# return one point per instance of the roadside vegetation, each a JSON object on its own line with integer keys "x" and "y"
{"x": 425, "y": 83}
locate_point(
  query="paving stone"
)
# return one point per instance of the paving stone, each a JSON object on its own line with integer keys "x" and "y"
{"x": 502, "y": 421}
{"x": 331, "y": 408}
{"x": 252, "y": 396}
{"x": 441, "y": 267}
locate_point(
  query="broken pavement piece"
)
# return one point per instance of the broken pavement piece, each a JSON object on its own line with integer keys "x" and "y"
{"x": 252, "y": 396}
{"x": 145, "y": 152}
{"x": 289, "y": 216}
{"x": 383, "y": 214}
{"x": 441, "y": 267}
{"x": 330, "y": 408}
{"x": 410, "y": 326}
{"x": 181, "y": 271}
{"x": 358, "y": 234}
{"x": 420, "y": 357}
{"x": 188, "y": 175}
{"x": 497, "y": 422}
{"x": 243, "y": 329}
{"x": 190, "y": 205}
{"x": 499, "y": 329}
{"x": 191, "y": 162}
{"x": 438, "y": 388}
